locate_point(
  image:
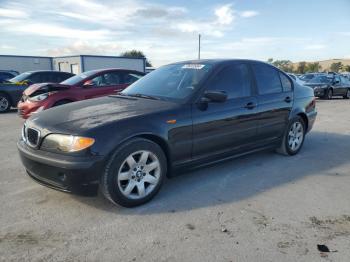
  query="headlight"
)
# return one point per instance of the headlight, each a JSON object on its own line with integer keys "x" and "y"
{"x": 66, "y": 143}
{"x": 39, "y": 97}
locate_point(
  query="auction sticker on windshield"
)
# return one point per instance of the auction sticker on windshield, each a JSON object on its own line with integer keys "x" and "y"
{"x": 193, "y": 66}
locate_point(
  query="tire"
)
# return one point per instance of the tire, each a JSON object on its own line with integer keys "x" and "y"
{"x": 286, "y": 147}
{"x": 61, "y": 102}
{"x": 5, "y": 103}
{"x": 129, "y": 185}
{"x": 329, "y": 94}
{"x": 347, "y": 95}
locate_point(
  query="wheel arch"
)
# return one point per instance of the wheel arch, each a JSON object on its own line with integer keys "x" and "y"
{"x": 305, "y": 119}
{"x": 160, "y": 141}
{"x": 299, "y": 112}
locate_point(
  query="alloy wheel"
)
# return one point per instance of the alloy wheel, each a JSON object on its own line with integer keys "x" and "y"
{"x": 139, "y": 174}
{"x": 4, "y": 103}
{"x": 295, "y": 136}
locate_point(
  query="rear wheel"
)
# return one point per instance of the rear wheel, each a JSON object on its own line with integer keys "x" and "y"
{"x": 293, "y": 138}
{"x": 134, "y": 173}
{"x": 5, "y": 103}
{"x": 347, "y": 95}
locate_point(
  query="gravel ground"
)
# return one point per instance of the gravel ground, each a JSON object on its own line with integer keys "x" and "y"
{"x": 262, "y": 207}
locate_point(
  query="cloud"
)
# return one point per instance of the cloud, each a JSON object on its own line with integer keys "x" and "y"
{"x": 12, "y": 13}
{"x": 315, "y": 47}
{"x": 249, "y": 13}
{"x": 225, "y": 14}
{"x": 52, "y": 30}
{"x": 7, "y": 47}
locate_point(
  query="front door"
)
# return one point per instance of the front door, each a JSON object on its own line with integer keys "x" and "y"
{"x": 219, "y": 127}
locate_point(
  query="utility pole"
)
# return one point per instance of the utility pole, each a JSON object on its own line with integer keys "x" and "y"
{"x": 199, "y": 46}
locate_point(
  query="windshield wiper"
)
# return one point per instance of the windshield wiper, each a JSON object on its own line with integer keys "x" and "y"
{"x": 142, "y": 96}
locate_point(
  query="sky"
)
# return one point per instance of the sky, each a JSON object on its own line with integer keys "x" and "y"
{"x": 167, "y": 31}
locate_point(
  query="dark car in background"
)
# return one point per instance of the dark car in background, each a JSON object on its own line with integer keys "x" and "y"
{"x": 7, "y": 74}
{"x": 327, "y": 86}
{"x": 181, "y": 115}
{"x": 86, "y": 85}
{"x": 11, "y": 91}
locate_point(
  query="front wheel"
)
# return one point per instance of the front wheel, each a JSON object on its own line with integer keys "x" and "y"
{"x": 5, "y": 103}
{"x": 134, "y": 173}
{"x": 293, "y": 138}
{"x": 347, "y": 95}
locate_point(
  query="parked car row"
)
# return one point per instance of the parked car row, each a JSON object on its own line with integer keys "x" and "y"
{"x": 35, "y": 91}
{"x": 326, "y": 85}
{"x": 11, "y": 91}
{"x": 182, "y": 115}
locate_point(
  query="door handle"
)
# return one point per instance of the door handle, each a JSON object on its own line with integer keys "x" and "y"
{"x": 288, "y": 99}
{"x": 250, "y": 105}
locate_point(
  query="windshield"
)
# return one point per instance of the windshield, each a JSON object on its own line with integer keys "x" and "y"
{"x": 321, "y": 79}
{"x": 78, "y": 78}
{"x": 174, "y": 82}
{"x": 20, "y": 78}
{"x": 307, "y": 77}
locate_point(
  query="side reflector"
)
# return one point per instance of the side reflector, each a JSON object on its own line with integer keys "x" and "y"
{"x": 172, "y": 121}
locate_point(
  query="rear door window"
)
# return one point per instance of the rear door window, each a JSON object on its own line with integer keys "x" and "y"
{"x": 286, "y": 83}
{"x": 267, "y": 79}
{"x": 234, "y": 79}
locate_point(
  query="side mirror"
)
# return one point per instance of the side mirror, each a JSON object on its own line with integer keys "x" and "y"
{"x": 214, "y": 96}
{"x": 336, "y": 82}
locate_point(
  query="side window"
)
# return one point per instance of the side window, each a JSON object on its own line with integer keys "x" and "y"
{"x": 59, "y": 77}
{"x": 337, "y": 79}
{"x": 267, "y": 78}
{"x": 286, "y": 83}
{"x": 107, "y": 79}
{"x": 234, "y": 80}
{"x": 130, "y": 78}
{"x": 35, "y": 78}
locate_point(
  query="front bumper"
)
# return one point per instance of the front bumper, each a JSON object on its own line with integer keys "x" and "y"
{"x": 319, "y": 92}
{"x": 75, "y": 174}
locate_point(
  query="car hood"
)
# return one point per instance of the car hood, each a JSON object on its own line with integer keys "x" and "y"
{"x": 313, "y": 85}
{"x": 44, "y": 88}
{"x": 78, "y": 117}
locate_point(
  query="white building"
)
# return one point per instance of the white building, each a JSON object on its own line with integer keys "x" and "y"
{"x": 25, "y": 63}
{"x": 74, "y": 64}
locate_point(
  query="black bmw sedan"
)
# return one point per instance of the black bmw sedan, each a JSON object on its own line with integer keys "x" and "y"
{"x": 181, "y": 115}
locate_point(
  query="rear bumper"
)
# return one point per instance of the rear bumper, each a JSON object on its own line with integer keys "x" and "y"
{"x": 73, "y": 174}
{"x": 311, "y": 116}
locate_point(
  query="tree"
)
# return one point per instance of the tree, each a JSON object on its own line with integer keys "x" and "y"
{"x": 301, "y": 68}
{"x": 313, "y": 67}
{"x": 346, "y": 68}
{"x": 136, "y": 54}
{"x": 335, "y": 67}
{"x": 285, "y": 65}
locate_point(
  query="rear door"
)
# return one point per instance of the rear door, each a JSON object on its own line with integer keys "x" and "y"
{"x": 275, "y": 101}
{"x": 344, "y": 86}
{"x": 222, "y": 127}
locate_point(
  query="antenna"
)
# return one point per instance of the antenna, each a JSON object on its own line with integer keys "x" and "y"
{"x": 199, "y": 46}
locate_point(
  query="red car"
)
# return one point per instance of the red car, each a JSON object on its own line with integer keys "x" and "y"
{"x": 90, "y": 84}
